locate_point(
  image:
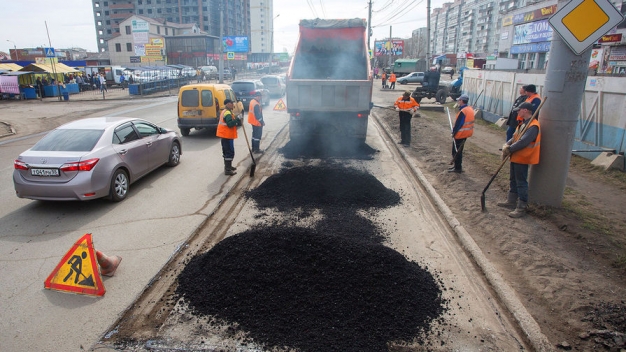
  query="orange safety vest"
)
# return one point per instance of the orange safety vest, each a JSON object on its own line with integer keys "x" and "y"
{"x": 467, "y": 130}
{"x": 406, "y": 104}
{"x": 528, "y": 100}
{"x": 530, "y": 154}
{"x": 384, "y": 76}
{"x": 223, "y": 131}
{"x": 392, "y": 77}
{"x": 251, "y": 116}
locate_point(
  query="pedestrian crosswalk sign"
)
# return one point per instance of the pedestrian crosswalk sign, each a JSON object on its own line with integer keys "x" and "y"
{"x": 280, "y": 105}
{"x": 49, "y": 52}
{"x": 230, "y": 55}
{"x": 78, "y": 271}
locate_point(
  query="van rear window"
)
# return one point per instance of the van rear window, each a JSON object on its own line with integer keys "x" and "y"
{"x": 207, "y": 98}
{"x": 190, "y": 98}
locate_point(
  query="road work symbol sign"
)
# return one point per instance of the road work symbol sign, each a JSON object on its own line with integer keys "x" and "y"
{"x": 280, "y": 105}
{"x": 582, "y": 22}
{"x": 78, "y": 271}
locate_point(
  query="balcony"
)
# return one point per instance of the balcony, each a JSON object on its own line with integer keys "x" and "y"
{"x": 122, "y": 6}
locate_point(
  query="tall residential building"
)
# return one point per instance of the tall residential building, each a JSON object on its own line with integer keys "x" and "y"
{"x": 261, "y": 30}
{"x": 205, "y": 13}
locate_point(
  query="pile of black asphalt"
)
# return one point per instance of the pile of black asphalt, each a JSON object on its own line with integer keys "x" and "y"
{"x": 332, "y": 286}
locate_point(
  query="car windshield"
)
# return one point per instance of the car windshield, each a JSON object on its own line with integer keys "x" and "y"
{"x": 242, "y": 86}
{"x": 69, "y": 140}
{"x": 270, "y": 81}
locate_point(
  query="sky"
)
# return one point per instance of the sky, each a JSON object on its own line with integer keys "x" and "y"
{"x": 70, "y": 23}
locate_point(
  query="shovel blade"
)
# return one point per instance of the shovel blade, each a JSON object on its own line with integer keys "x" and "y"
{"x": 252, "y": 170}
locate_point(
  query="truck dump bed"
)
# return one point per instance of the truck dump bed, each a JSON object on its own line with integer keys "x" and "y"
{"x": 329, "y": 74}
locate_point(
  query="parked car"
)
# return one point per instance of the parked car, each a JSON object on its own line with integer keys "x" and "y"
{"x": 413, "y": 77}
{"x": 447, "y": 70}
{"x": 200, "y": 105}
{"x": 275, "y": 85}
{"x": 265, "y": 70}
{"x": 93, "y": 158}
{"x": 246, "y": 90}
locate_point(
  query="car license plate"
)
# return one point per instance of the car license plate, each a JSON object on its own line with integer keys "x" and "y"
{"x": 44, "y": 172}
{"x": 191, "y": 113}
{"x": 244, "y": 99}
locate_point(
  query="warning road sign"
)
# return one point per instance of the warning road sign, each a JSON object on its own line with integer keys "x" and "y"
{"x": 280, "y": 105}
{"x": 78, "y": 271}
{"x": 582, "y": 22}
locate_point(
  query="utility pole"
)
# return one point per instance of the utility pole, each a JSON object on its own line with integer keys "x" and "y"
{"x": 390, "y": 47}
{"x": 369, "y": 25}
{"x": 427, "y": 33}
{"x": 221, "y": 44}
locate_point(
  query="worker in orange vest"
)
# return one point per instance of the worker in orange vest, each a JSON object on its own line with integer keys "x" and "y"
{"x": 406, "y": 106}
{"x": 463, "y": 129}
{"x": 384, "y": 78}
{"x": 392, "y": 80}
{"x": 531, "y": 97}
{"x": 524, "y": 151}
{"x": 255, "y": 118}
{"x": 227, "y": 131}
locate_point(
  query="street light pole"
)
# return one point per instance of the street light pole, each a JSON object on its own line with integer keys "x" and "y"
{"x": 269, "y": 60}
{"x": 17, "y": 55}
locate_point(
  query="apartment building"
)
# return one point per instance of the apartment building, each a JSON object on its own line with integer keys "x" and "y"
{"x": 261, "y": 30}
{"x": 205, "y": 13}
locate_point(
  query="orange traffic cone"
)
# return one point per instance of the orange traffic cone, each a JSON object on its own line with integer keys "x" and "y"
{"x": 108, "y": 265}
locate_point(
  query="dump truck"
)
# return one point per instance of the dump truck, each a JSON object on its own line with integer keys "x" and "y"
{"x": 329, "y": 82}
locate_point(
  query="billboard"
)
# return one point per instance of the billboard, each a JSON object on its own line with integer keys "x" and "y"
{"x": 235, "y": 44}
{"x": 389, "y": 47}
{"x": 533, "y": 32}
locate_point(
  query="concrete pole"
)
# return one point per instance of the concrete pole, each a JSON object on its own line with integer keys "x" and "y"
{"x": 565, "y": 82}
{"x": 427, "y": 34}
{"x": 220, "y": 67}
{"x": 369, "y": 25}
{"x": 390, "y": 47}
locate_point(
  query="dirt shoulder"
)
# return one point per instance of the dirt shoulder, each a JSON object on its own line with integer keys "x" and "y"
{"x": 567, "y": 264}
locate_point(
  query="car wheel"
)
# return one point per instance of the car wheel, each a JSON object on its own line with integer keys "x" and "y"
{"x": 119, "y": 186}
{"x": 403, "y": 82}
{"x": 174, "y": 155}
{"x": 185, "y": 131}
{"x": 441, "y": 96}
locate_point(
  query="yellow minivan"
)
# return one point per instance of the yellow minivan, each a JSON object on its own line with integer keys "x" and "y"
{"x": 200, "y": 105}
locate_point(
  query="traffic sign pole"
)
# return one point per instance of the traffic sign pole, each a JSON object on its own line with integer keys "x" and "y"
{"x": 577, "y": 25}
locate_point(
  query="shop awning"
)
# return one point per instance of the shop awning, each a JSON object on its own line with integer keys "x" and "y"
{"x": 58, "y": 67}
{"x": 10, "y": 67}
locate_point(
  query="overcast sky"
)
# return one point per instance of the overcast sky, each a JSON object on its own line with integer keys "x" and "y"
{"x": 70, "y": 22}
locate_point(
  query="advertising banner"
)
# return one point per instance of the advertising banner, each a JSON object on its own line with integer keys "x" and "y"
{"x": 531, "y": 48}
{"x": 236, "y": 44}
{"x": 596, "y": 59}
{"x": 618, "y": 53}
{"x": 389, "y": 47}
{"x": 533, "y": 32}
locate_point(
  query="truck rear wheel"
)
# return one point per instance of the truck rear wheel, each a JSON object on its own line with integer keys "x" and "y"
{"x": 441, "y": 96}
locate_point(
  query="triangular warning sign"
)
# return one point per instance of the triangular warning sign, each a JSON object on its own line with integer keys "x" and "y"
{"x": 78, "y": 271}
{"x": 280, "y": 105}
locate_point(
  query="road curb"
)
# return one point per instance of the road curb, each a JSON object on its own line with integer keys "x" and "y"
{"x": 6, "y": 129}
{"x": 505, "y": 293}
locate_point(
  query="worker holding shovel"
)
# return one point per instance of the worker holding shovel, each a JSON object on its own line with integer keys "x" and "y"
{"x": 523, "y": 149}
{"x": 227, "y": 131}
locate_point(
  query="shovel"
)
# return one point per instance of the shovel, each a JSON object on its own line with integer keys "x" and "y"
{"x": 253, "y": 168}
{"x": 521, "y": 133}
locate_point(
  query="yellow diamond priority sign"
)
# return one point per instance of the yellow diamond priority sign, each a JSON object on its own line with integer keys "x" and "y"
{"x": 582, "y": 22}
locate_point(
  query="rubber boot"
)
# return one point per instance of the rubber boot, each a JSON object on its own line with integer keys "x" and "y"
{"x": 511, "y": 201}
{"x": 520, "y": 210}
{"x": 228, "y": 168}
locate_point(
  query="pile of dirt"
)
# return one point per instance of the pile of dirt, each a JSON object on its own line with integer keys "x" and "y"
{"x": 333, "y": 286}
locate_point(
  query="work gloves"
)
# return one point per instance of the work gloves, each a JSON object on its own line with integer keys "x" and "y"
{"x": 506, "y": 151}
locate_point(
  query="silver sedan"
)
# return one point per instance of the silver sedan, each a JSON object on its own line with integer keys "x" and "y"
{"x": 94, "y": 158}
{"x": 413, "y": 77}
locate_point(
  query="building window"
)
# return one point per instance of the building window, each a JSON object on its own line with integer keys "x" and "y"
{"x": 166, "y": 30}
{"x": 96, "y": 4}
{"x": 100, "y": 32}
{"x": 149, "y": 10}
{"x": 128, "y": 30}
{"x": 158, "y": 29}
{"x": 531, "y": 60}
{"x": 106, "y": 13}
{"x": 118, "y": 47}
{"x": 108, "y": 23}
{"x": 108, "y": 31}
{"x": 98, "y": 14}
{"x": 522, "y": 61}
{"x": 541, "y": 61}
{"x": 106, "y": 3}
{"x": 140, "y": 11}
{"x": 99, "y": 23}
{"x": 129, "y": 46}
